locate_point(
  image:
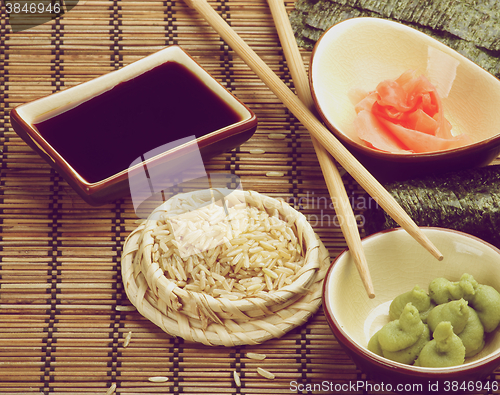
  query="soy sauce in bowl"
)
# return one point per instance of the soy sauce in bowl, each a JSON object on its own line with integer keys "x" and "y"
{"x": 163, "y": 104}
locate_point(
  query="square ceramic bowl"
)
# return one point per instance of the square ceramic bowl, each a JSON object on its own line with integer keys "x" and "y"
{"x": 154, "y": 112}
{"x": 397, "y": 263}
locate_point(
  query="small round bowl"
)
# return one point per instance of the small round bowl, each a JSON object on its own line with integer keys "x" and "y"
{"x": 397, "y": 263}
{"x": 362, "y": 52}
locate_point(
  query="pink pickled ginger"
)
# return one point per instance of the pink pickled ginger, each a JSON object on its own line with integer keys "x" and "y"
{"x": 405, "y": 116}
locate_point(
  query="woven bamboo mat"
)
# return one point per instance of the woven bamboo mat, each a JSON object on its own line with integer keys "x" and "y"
{"x": 64, "y": 314}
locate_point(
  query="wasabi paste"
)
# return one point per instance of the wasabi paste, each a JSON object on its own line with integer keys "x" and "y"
{"x": 401, "y": 340}
{"x": 482, "y": 298}
{"x": 409, "y": 354}
{"x": 446, "y": 349}
{"x": 441, "y": 328}
{"x": 486, "y": 302}
{"x": 399, "y": 334}
{"x": 418, "y": 298}
{"x": 442, "y": 290}
{"x": 456, "y": 312}
{"x": 473, "y": 334}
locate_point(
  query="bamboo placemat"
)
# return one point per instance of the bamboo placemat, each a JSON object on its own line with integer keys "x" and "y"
{"x": 64, "y": 314}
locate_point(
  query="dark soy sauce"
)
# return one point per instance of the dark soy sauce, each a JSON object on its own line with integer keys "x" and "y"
{"x": 104, "y": 135}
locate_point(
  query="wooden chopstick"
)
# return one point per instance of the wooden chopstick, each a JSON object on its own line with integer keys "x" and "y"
{"x": 333, "y": 179}
{"x": 315, "y": 127}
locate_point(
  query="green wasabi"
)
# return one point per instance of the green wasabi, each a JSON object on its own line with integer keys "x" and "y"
{"x": 456, "y": 312}
{"x": 473, "y": 334}
{"x": 374, "y": 345}
{"x": 409, "y": 354}
{"x": 401, "y": 340}
{"x": 418, "y": 298}
{"x": 399, "y": 334}
{"x": 446, "y": 349}
{"x": 486, "y": 302}
{"x": 483, "y": 298}
{"x": 442, "y": 290}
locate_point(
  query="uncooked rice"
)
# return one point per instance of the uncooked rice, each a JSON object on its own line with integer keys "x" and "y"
{"x": 125, "y": 308}
{"x": 126, "y": 342}
{"x": 253, "y": 355}
{"x": 257, "y": 151}
{"x": 232, "y": 252}
{"x": 158, "y": 379}
{"x": 275, "y": 174}
{"x": 265, "y": 373}
{"x": 111, "y": 390}
{"x": 236, "y": 378}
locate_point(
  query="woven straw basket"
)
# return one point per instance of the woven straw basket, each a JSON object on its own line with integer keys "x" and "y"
{"x": 200, "y": 317}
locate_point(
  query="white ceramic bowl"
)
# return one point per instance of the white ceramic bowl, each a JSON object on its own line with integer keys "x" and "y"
{"x": 362, "y": 52}
{"x": 397, "y": 263}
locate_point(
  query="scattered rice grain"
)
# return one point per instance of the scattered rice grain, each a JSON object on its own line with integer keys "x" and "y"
{"x": 267, "y": 245}
{"x": 253, "y": 288}
{"x": 218, "y": 277}
{"x": 111, "y": 389}
{"x": 236, "y": 377}
{"x": 284, "y": 270}
{"x": 269, "y": 273}
{"x": 269, "y": 283}
{"x": 257, "y": 151}
{"x": 281, "y": 281}
{"x": 255, "y": 250}
{"x": 203, "y": 279}
{"x": 253, "y": 355}
{"x": 265, "y": 373}
{"x": 125, "y": 308}
{"x": 158, "y": 379}
{"x": 126, "y": 342}
{"x": 275, "y": 174}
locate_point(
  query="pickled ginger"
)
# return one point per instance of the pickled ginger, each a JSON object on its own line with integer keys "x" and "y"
{"x": 405, "y": 116}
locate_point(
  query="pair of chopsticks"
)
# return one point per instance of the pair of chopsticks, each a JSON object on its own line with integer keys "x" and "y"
{"x": 331, "y": 174}
{"x": 323, "y": 139}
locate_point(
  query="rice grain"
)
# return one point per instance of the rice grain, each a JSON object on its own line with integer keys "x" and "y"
{"x": 275, "y": 174}
{"x": 126, "y": 342}
{"x": 125, "y": 308}
{"x": 253, "y": 355}
{"x": 246, "y": 243}
{"x": 265, "y": 373}
{"x": 111, "y": 390}
{"x": 158, "y": 379}
{"x": 257, "y": 151}
{"x": 237, "y": 379}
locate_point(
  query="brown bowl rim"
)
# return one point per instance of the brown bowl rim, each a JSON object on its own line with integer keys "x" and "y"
{"x": 385, "y": 363}
{"x": 383, "y": 155}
